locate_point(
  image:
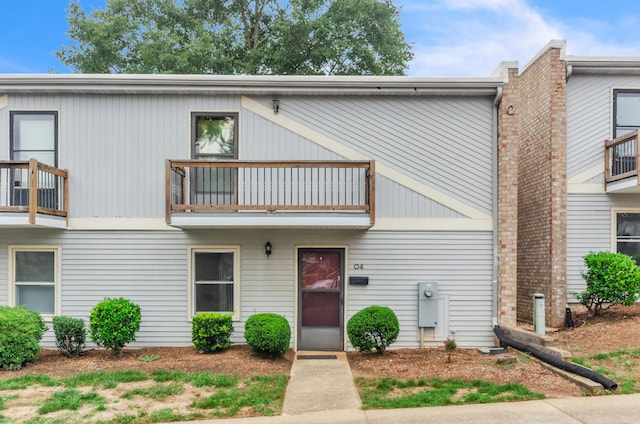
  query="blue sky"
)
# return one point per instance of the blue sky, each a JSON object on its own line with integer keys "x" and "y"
{"x": 450, "y": 37}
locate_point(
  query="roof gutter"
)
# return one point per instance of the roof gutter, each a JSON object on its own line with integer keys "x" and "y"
{"x": 242, "y": 84}
{"x": 602, "y": 65}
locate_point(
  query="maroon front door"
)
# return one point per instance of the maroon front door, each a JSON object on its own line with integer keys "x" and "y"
{"x": 320, "y": 282}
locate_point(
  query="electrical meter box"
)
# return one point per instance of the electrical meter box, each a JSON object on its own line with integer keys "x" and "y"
{"x": 428, "y": 304}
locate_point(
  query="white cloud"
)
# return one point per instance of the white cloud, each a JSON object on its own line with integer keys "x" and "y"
{"x": 472, "y": 37}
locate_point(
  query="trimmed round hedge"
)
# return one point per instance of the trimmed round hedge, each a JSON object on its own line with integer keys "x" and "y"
{"x": 113, "y": 323}
{"x": 267, "y": 334}
{"x": 211, "y": 331}
{"x": 374, "y": 327}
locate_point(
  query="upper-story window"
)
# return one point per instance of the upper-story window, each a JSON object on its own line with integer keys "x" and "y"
{"x": 214, "y": 136}
{"x": 626, "y": 111}
{"x": 34, "y": 135}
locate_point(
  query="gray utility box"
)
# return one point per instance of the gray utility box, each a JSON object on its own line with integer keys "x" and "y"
{"x": 428, "y": 304}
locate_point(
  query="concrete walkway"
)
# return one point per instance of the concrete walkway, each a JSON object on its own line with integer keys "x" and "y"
{"x": 323, "y": 391}
{"x": 320, "y": 381}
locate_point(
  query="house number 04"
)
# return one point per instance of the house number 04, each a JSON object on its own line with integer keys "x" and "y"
{"x": 358, "y": 266}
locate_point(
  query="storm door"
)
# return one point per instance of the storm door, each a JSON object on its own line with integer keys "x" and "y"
{"x": 321, "y": 299}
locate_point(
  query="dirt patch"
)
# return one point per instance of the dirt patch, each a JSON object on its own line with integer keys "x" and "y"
{"x": 233, "y": 361}
{"x": 616, "y": 329}
{"x": 23, "y": 404}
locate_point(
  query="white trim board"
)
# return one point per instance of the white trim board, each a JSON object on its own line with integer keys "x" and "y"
{"x": 351, "y": 154}
{"x": 585, "y": 189}
{"x": 109, "y": 223}
{"x": 432, "y": 224}
{"x": 586, "y": 175}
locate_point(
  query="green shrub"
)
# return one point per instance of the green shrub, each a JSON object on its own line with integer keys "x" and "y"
{"x": 20, "y": 333}
{"x": 612, "y": 278}
{"x": 374, "y": 327}
{"x": 267, "y": 334}
{"x": 70, "y": 335}
{"x": 211, "y": 331}
{"x": 114, "y": 322}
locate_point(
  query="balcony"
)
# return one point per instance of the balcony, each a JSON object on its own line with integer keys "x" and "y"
{"x": 270, "y": 194}
{"x": 32, "y": 194}
{"x": 621, "y": 164}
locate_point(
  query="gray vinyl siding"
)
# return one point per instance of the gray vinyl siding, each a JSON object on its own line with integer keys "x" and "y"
{"x": 589, "y": 119}
{"x": 589, "y": 228}
{"x": 443, "y": 142}
{"x": 398, "y": 201}
{"x": 589, "y": 124}
{"x": 115, "y": 146}
{"x": 598, "y": 179}
{"x": 461, "y": 264}
{"x": 150, "y": 268}
{"x": 262, "y": 140}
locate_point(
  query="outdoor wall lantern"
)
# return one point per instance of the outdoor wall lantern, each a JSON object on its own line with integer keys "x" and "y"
{"x": 275, "y": 102}
{"x": 267, "y": 249}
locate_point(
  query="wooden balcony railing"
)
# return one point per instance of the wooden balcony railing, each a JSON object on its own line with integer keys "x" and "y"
{"x": 270, "y": 186}
{"x": 28, "y": 186}
{"x": 621, "y": 157}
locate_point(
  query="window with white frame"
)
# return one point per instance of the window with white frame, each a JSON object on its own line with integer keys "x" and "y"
{"x": 628, "y": 233}
{"x": 214, "y": 279}
{"x": 34, "y": 278}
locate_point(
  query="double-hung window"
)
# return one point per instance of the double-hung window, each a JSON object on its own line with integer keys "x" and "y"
{"x": 628, "y": 233}
{"x": 34, "y": 278}
{"x": 214, "y": 282}
{"x": 214, "y": 136}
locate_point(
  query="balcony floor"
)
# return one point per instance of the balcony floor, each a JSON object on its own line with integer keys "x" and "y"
{"x": 625, "y": 186}
{"x": 21, "y": 220}
{"x": 359, "y": 221}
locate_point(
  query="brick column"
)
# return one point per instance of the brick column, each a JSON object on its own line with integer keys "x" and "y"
{"x": 542, "y": 187}
{"x": 508, "y": 201}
